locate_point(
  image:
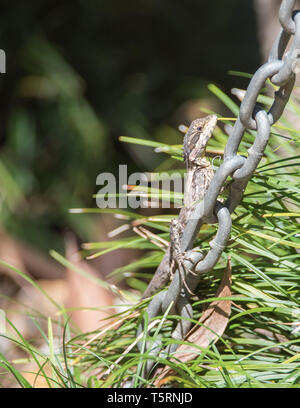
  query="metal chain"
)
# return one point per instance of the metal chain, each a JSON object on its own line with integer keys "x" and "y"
{"x": 280, "y": 70}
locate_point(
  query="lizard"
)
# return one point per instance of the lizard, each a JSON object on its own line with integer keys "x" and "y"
{"x": 199, "y": 175}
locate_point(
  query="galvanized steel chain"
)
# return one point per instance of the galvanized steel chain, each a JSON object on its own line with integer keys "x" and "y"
{"x": 280, "y": 70}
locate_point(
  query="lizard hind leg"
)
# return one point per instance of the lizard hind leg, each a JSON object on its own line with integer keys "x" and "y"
{"x": 177, "y": 256}
{"x": 193, "y": 256}
{"x": 183, "y": 271}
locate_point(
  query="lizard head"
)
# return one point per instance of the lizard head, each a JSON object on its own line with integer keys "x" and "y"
{"x": 197, "y": 137}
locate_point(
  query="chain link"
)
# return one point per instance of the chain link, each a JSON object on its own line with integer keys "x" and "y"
{"x": 286, "y": 16}
{"x": 280, "y": 71}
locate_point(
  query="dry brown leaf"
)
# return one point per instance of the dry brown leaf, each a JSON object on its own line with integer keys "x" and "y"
{"x": 213, "y": 323}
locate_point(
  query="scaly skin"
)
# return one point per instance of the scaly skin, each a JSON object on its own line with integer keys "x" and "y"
{"x": 199, "y": 175}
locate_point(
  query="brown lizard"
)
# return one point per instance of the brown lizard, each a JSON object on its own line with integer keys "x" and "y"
{"x": 199, "y": 175}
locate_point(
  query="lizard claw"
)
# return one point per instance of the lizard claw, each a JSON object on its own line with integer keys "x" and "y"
{"x": 193, "y": 256}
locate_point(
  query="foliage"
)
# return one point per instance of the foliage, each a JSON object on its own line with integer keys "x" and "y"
{"x": 260, "y": 347}
{"x": 78, "y": 77}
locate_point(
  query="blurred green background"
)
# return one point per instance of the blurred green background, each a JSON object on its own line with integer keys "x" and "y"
{"x": 82, "y": 73}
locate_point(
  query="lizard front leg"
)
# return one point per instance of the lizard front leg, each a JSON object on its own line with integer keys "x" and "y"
{"x": 167, "y": 266}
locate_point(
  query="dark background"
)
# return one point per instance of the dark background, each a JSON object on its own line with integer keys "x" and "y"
{"x": 82, "y": 73}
